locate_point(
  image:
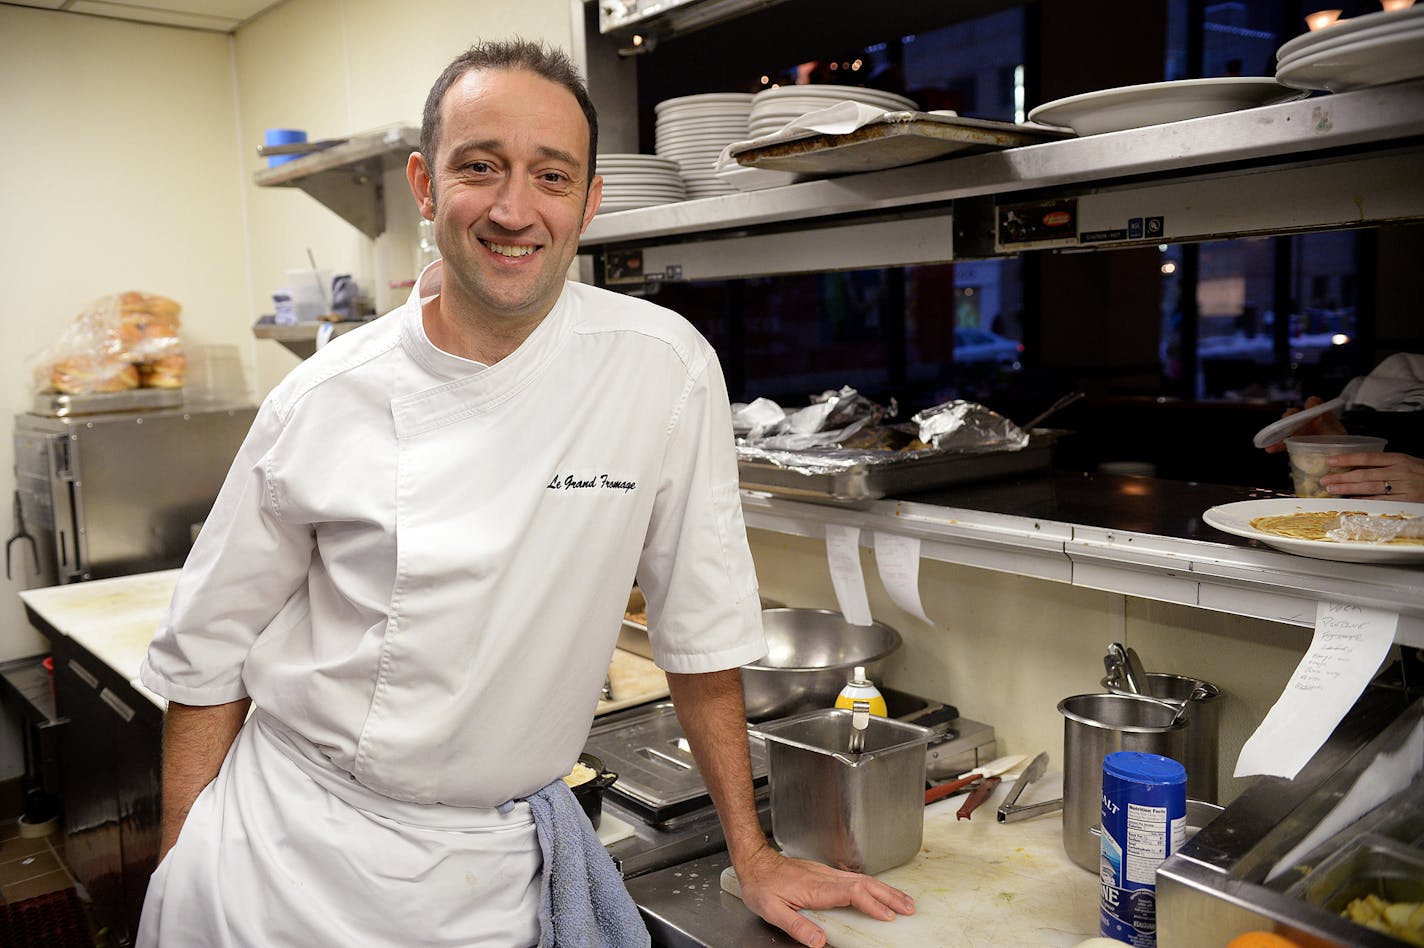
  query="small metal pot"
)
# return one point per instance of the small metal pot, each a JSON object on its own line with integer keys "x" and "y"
{"x": 1093, "y": 727}
{"x": 590, "y": 793}
{"x": 1203, "y": 726}
{"x": 811, "y": 654}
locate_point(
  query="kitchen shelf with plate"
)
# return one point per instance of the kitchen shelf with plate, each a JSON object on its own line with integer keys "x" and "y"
{"x": 347, "y": 178}
{"x": 1328, "y": 162}
{"x": 300, "y": 338}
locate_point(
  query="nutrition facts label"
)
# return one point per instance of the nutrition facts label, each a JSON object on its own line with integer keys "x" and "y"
{"x": 1146, "y": 843}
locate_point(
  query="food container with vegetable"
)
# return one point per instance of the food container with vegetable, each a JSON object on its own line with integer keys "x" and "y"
{"x": 588, "y": 780}
{"x": 1310, "y": 459}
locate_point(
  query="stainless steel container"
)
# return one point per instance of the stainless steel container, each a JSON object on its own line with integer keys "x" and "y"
{"x": 1203, "y": 726}
{"x": 114, "y": 494}
{"x": 810, "y": 655}
{"x": 1093, "y": 727}
{"x": 863, "y": 812}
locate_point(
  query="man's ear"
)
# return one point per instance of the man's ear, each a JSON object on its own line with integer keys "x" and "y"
{"x": 422, "y": 187}
{"x": 595, "y": 198}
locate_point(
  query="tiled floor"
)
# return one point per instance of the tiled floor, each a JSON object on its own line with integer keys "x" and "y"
{"x": 29, "y": 866}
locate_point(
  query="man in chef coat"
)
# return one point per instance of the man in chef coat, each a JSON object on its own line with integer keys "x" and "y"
{"x": 415, "y": 573}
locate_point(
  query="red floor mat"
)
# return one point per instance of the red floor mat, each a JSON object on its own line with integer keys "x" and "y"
{"x": 52, "y": 920}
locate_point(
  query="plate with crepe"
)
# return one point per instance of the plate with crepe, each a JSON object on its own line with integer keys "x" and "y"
{"x": 1244, "y": 519}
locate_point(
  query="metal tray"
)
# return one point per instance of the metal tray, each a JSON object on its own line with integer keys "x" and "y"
{"x": 59, "y": 405}
{"x": 897, "y": 474}
{"x": 656, "y": 772}
{"x": 901, "y": 138}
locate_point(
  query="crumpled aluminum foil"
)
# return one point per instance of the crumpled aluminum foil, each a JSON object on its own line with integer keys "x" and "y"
{"x": 1376, "y": 528}
{"x": 795, "y": 442}
{"x": 832, "y": 417}
{"x": 968, "y": 426}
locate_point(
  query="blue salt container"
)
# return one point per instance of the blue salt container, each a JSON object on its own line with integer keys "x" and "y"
{"x": 1144, "y": 822}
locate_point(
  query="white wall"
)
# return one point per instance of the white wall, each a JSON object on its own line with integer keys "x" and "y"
{"x": 119, "y": 148}
{"x": 335, "y": 67}
{"x": 129, "y": 151}
{"x": 1006, "y": 649}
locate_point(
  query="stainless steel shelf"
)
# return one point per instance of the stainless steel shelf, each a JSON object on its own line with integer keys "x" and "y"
{"x": 300, "y": 338}
{"x": 1086, "y": 531}
{"x": 1360, "y": 146}
{"x": 347, "y": 177}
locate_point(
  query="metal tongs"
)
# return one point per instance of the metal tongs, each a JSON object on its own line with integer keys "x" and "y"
{"x": 1010, "y": 810}
{"x": 20, "y": 534}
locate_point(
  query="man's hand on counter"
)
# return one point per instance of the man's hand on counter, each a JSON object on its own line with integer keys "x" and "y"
{"x": 710, "y": 708}
{"x": 777, "y": 887}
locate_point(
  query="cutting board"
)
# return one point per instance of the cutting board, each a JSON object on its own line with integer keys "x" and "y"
{"x": 635, "y": 680}
{"x": 115, "y": 619}
{"x": 612, "y": 830}
{"x": 978, "y": 883}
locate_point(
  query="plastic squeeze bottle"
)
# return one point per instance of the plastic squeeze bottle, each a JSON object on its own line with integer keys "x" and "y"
{"x": 859, "y": 688}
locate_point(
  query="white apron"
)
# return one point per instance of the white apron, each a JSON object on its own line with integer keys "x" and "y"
{"x": 280, "y": 851}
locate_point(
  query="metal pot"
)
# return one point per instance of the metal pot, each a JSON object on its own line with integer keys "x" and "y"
{"x": 1203, "y": 725}
{"x": 858, "y": 811}
{"x": 810, "y": 656}
{"x": 590, "y": 793}
{"x": 1095, "y": 726}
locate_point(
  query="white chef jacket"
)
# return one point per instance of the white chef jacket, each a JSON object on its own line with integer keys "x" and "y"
{"x": 419, "y": 564}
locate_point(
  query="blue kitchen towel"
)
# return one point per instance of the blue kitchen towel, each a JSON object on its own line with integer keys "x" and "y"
{"x": 582, "y": 900}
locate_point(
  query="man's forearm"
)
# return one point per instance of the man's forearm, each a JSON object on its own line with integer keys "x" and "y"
{"x": 195, "y": 741}
{"x": 711, "y": 710}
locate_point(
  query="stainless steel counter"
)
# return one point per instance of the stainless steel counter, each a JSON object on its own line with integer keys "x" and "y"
{"x": 685, "y": 907}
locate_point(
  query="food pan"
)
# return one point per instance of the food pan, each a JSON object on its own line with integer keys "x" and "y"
{"x": 1371, "y": 864}
{"x": 874, "y": 475}
{"x": 590, "y": 793}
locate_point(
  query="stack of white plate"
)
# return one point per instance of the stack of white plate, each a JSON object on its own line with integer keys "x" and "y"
{"x": 633, "y": 181}
{"x": 1370, "y": 50}
{"x": 692, "y": 130}
{"x": 772, "y": 109}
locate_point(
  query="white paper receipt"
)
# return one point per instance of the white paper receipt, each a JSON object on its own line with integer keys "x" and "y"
{"x": 1350, "y": 643}
{"x": 843, "y": 557}
{"x": 897, "y": 559}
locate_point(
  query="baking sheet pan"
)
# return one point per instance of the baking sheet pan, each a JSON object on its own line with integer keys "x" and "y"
{"x": 902, "y": 138}
{"x": 59, "y": 405}
{"x": 898, "y": 474}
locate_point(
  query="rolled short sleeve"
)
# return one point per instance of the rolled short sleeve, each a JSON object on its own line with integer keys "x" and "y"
{"x": 696, "y": 569}
{"x": 245, "y": 569}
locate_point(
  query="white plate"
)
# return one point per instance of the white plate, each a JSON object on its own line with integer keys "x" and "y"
{"x": 698, "y": 138}
{"x": 834, "y": 94}
{"x": 634, "y": 162}
{"x": 701, "y": 121}
{"x": 1236, "y": 518}
{"x": 614, "y": 184}
{"x": 1349, "y": 31}
{"x": 704, "y": 98}
{"x": 1153, "y": 103}
{"x": 755, "y": 179}
{"x": 1370, "y": 61}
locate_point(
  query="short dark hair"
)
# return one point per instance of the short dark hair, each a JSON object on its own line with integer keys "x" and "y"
{"x": 544, "y": 61}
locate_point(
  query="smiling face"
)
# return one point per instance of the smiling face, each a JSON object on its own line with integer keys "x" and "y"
{"x": 509, "y": 193}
